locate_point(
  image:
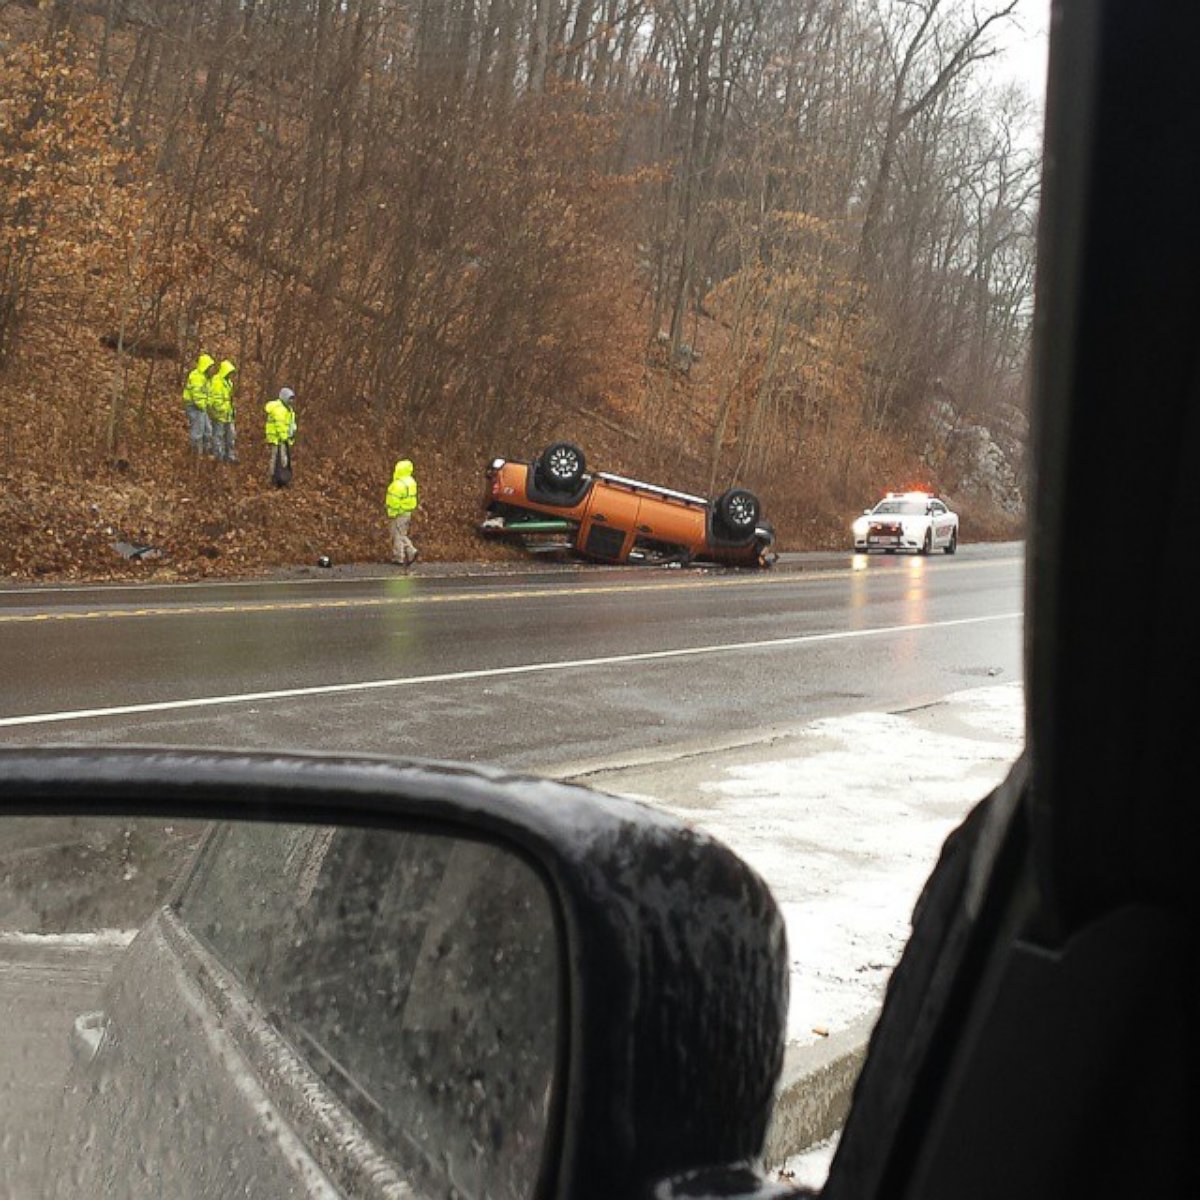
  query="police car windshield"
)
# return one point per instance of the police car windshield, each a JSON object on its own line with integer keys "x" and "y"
{"x": 904, "y": 508}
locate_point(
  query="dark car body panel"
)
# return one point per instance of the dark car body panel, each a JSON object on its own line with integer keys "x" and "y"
{"x": 1039, "y": 1037}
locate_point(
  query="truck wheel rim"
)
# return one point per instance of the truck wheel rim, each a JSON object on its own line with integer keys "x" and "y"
{"x": 563, "y": 464}
{"x": 741, "y": 511}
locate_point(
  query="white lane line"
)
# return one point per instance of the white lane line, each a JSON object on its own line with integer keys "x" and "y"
{"x": 577, "y": 664}
{"x": 116, "y": 938}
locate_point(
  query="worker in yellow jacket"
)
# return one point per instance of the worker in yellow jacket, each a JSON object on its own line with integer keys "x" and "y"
{"x": 220, "y": 412}
{"x": 195, "y": 404}
{"x": 401, "y": 504}
{"x": 280, "y": 432}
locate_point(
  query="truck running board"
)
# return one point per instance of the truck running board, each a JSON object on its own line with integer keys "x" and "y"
{"x": 500, "y": 525}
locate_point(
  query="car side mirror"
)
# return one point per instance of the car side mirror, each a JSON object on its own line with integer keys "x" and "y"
{"x": 461, "y": 982}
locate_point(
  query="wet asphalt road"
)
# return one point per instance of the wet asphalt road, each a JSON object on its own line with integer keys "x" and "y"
{"x": 535, "y": 670}
{"x": 545, "y": 670}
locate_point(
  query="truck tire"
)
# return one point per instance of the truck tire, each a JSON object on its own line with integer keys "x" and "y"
{"x": 738, "y": 511}
{"x": 561, "y": 466}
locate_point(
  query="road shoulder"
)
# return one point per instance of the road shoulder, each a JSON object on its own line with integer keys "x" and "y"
{"x": 844, "y": 817}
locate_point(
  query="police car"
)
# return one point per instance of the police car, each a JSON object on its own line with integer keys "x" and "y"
{"x": 907, "y": 521}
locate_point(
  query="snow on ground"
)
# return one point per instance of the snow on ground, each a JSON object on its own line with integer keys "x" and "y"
{"x": 845, "y": 820}
{"x": 810, "y": 1169}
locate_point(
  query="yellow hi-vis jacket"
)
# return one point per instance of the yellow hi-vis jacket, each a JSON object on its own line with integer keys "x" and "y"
{"x": 220, "y": 393}
{"x": 195, "y": 390}
{"x": 281, "y": 423}
{"x": 402, "y": 491}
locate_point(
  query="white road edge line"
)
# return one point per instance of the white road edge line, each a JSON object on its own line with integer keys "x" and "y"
{"x": 334, "y": 689}
{"x": 117, "y": 938}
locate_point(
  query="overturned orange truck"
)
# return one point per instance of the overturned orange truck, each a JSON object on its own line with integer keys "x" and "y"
{"x": 554, "y": 505}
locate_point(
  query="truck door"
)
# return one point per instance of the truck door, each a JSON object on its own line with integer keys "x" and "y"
{"x": 607, "y": 529}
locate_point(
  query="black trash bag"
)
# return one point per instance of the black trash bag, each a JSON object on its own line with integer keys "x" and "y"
{"x": 282, "y": 474}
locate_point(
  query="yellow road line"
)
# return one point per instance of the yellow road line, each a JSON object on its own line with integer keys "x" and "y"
{"x": 277, "y": 606}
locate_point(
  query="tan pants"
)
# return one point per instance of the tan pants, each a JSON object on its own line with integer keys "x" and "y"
{"x": 403, "y": 551}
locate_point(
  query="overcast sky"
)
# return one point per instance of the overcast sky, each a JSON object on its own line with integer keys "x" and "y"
{"x": 1024, "y": 45}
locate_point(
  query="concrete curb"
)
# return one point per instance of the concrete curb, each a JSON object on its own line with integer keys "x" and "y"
{"x": 815, "y": 1089}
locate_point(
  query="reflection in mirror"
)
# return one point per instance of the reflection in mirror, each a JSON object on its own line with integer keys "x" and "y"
{"x": 272, "y": 1010}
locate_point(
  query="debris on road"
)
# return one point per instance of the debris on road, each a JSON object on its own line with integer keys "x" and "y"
{"x": 134, "y": 550}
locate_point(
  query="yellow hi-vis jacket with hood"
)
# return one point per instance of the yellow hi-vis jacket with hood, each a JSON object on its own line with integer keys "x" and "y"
{"x": 220, "y": 393}
{"x": 402, "y": 491}
{"x": 196, "y": 389}
{"x": 281, "y": 423}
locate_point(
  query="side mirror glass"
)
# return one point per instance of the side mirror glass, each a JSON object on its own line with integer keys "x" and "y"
{"x": 359, "y": 1004}
{"x": 418, "y": 979}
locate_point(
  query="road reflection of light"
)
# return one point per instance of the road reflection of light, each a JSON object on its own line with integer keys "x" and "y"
{"x": 401, "y": 586}
{"x": 860, "y": 582}
{"x": 916, "y": 607}
{"x": 402, "y": 624}
{"x": 918, "y": 590}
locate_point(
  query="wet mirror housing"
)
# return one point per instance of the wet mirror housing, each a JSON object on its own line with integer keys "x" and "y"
{"x": 675, "y": 976}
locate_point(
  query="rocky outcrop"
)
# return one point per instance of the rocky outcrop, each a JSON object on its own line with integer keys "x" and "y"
{"x": 987, "y": 461}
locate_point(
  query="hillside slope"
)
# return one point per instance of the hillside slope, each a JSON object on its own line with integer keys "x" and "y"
{"x": 472, "y": 284}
